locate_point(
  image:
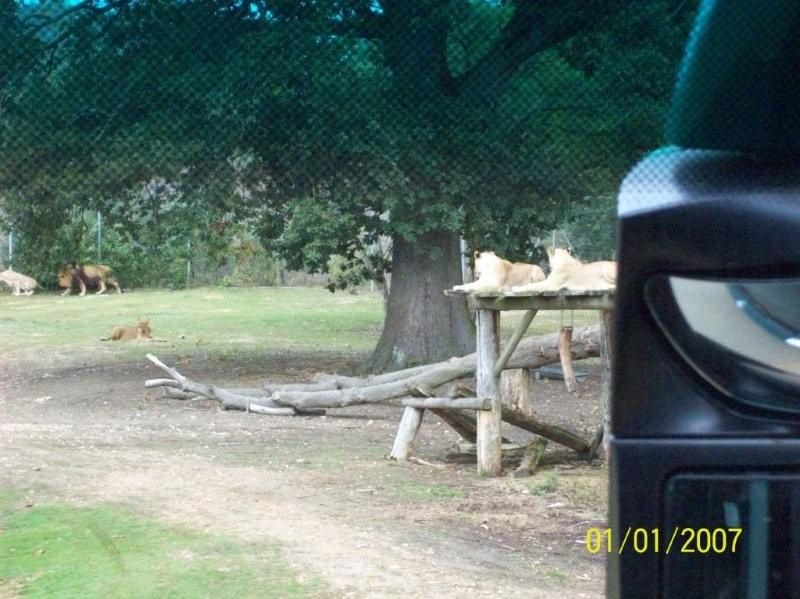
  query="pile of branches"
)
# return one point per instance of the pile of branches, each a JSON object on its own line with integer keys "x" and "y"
{"x": 336, "y": 391}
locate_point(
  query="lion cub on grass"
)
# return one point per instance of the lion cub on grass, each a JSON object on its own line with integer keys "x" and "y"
{"x": 492, "y": 273}
{"x": 141, "y": 332}
{"x": 567, "y": 272}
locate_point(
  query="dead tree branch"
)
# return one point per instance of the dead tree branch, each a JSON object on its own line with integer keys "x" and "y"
{"x": 334, "y": 391}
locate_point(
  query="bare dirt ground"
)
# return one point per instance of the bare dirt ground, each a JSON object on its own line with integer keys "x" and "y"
{"x": 319, "y": 486}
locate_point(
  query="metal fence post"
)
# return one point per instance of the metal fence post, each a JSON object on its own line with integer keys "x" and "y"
{"x": 188, "y": 262}
{"x": 99, "y": 238}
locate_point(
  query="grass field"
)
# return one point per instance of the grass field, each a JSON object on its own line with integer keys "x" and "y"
{"x": 208, "y": 322}
{"x": 104, "y": 551}
{"x": 214, "y": 321}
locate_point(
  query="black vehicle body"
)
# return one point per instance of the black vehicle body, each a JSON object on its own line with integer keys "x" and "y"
{"x": 705, "y": 408}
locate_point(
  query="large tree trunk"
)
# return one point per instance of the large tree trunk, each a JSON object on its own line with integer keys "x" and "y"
{"x": 422, "y": 325}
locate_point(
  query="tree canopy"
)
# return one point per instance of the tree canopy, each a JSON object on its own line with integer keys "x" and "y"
{"x": 469, "y": 115}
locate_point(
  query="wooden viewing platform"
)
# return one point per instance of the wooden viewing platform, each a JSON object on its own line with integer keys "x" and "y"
{"x": 565, "y": 299}
{"x": 491, "y": 361}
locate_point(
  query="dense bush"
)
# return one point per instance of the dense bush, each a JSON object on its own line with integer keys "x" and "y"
{"x": 152, "y": 257}
{"x": 591, "y": 228}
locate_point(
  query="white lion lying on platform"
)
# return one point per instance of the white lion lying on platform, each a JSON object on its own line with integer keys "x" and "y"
{"x": 567, "y": 272}
{"x": 492, "y": 273}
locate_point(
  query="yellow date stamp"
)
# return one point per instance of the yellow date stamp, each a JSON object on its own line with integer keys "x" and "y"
{"x": 681, "y": 539}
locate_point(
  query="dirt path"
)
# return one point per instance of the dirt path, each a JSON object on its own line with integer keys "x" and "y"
{"x": 318, "y": 486}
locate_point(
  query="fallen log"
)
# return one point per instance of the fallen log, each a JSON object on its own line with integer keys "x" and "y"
{"x": 268, "y": 388}
{"x": 513, "y": 456}
{"x": 347, "y": 391}
{"x": 171, "y": 393}
{"x": 461, "y": 423}
{"x": 257, "y": 409}
{"x": 511, "y": 449}
{"x": 530, "y": 353}
{"x": 447, "y": 403}
{"x": 227, "y": 398}
{"x": 548, "y": 431}
{"x": 339, "y": 381}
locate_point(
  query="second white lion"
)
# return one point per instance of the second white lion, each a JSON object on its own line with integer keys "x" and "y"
{"x": 567, "y": 272}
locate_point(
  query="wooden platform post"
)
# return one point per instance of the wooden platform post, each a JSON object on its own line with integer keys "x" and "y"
{"x": 565, "y": 355}
{"x": 488, "y": 307}
{"x": 406, "y": 434}
{"x": 516, "y": 390}
{"x": 490, "y": 459}
{"x": 605, "y": 360}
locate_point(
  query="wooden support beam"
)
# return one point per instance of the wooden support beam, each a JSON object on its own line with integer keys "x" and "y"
{"x": 513, "y": 342}
{"x": 513, "y": 455}
{"x": 516, "y": 390}
{"x": 463, "y": 424}
{"x": 564, "y": 299}
{"x": 406, "y": 434}
{"x": 513, "y": 449}
{"x": 489, "y": 422}
{"x": 597, "y": 439}
{"x": 532, "y": 456}
{"x": 602, "y": 302}
{"x": 548, "y": 431}
{"x": 448, "y": 403}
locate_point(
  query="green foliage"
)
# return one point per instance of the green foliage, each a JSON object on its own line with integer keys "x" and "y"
{"x": 324, "y": 125}
{"x": 250, "y": 265}
{"x": 106, "y": 552}
{"x": 343, "y": 273}
{"x": 547, "y": 484}
{"x": 148, "y": 252}
{"x": 314, "y": 232}
{"x": 591, "y": 228}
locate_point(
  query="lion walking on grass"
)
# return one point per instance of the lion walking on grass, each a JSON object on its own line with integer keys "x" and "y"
{"x": 81, "y": 278}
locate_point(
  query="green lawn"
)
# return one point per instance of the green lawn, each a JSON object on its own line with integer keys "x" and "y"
{"x": 548, "y": 321}
{"x": 59, "y": 551}
{"x": 212, "y": 321}
{"x": 209, "y": 321}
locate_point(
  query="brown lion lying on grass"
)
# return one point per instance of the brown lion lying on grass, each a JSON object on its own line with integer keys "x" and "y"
{"x": 141, "y": 332}
{"x": 86, "y": 277}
